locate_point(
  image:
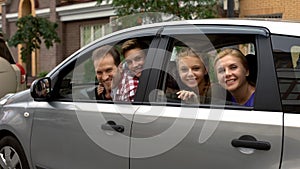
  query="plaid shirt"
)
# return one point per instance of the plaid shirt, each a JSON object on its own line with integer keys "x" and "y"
{"x": 127, "y": 88}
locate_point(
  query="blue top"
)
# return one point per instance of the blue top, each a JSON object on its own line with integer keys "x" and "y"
{"x": 249, "y": 103}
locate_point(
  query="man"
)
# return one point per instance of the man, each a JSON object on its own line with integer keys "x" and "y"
{"x": 106, "y": 60}
{"x": 134, "y": 54}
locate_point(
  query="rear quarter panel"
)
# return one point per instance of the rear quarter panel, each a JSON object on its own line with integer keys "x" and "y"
{"x": 8, "y": 79}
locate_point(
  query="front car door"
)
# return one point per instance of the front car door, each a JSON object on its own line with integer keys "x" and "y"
{"x": 73, "y": 130}
{"x": 167, "y": 133}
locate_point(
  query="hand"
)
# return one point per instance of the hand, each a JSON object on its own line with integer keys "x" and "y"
{"x": 100, "y": 89}
{"x": 186, "y": 95}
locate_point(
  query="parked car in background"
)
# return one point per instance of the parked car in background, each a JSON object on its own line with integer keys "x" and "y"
{"x": 12, "y": 74}
{"x": 56, "y": 124}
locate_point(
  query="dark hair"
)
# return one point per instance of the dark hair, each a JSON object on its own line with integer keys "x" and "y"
{"x": 132, "y": 44}
{"x": 104, "y": 50}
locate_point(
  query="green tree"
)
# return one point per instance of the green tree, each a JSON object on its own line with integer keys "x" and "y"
{"x": 31, "y": 31}
{"x": 185, "y": 9}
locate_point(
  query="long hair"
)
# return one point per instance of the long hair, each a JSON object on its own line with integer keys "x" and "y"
{"x": 185, "y": 51}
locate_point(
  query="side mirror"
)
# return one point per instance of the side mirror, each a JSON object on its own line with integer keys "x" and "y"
{"x": 40, "y": 89}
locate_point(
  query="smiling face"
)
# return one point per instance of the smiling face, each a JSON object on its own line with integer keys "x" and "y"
{"x": 231, "y": 73}
{"x": 191, "y": 71}
{"x": 135, "y": 59}
{"x": 105, "y": 69}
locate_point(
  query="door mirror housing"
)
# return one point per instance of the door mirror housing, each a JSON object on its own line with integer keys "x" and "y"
{"x": 40, "y": 89}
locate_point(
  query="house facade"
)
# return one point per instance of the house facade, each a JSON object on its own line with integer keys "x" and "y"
{"x": 277, "y": 9}
{"x": 81, "y": 21}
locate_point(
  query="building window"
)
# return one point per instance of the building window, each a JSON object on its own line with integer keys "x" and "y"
{"x": 89, "y": 33}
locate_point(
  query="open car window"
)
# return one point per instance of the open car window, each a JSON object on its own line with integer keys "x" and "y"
{"x": 79, "y": 81}
{"x": 207, "y": 48}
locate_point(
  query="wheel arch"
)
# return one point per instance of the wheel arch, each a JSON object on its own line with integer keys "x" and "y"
{"x": 5, "y": 133}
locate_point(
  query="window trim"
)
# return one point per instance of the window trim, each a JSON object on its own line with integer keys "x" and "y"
{"x": 59, "y": 72}
{"x": 267, "y": 78}
{"x": 284, "y": 73}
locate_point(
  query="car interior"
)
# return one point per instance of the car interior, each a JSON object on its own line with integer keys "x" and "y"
{"x": 208, "y": 46}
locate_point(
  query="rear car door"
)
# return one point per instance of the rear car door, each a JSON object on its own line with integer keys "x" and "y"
{"x": 167, "y": 133}
{"x": 286, "y": 50}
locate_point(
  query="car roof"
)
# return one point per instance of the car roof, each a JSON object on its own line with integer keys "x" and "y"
{"x": 275, "y": 26}
{"x": 280, "y": 27}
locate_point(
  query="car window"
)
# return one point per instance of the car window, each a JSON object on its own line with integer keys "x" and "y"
{"x": 74, "y": 83}
{"x": 286, "y": 51}
{"x": 4, "y": 52}
{"x": 206, "y": 47}
{"x": 98, "y": 74}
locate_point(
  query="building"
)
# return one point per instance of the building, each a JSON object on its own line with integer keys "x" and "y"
{"x": 81, "y": 21}
{"x": 277, "y": 9}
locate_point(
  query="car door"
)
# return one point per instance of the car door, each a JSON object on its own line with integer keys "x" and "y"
{"x": 286, "y": 58}
{"x": 169, "y": 133}
{"x": 67, "y": 132}
{"x": 73, "y": 130}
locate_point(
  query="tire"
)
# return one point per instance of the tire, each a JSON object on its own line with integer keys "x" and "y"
{"x": 12, "y": 155}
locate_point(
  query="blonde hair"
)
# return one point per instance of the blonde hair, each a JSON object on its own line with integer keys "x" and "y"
{"x": 185, "y": 51}
{"x": 238, "y": 54}
{"x": 233, "y": 52}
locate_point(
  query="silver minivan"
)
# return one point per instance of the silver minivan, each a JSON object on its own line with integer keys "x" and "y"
{"x": 68, "y": 129}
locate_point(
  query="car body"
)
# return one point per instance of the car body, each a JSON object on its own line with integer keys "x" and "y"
{"x": 12, "y": 74}
{"x": 67, "y": 129}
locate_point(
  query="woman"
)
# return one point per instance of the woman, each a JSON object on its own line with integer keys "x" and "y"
{"x": 232, "y": 70}
{"x": 194, "y": 75}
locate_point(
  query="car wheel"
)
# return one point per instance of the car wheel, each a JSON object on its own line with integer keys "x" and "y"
{"x": 11, "y": 154}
